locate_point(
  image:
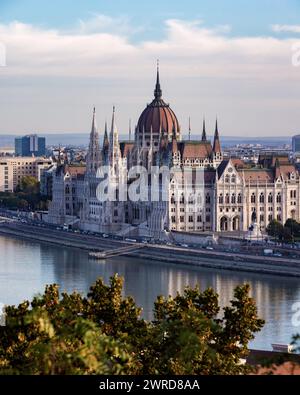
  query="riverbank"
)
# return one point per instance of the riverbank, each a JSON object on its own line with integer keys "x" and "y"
{"x": 171, "y": 254}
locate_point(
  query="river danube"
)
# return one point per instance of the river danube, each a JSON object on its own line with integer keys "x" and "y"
{"x": 26, "y": 267}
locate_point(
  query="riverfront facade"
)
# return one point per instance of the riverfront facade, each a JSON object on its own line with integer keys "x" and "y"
{"x": 232, "y": 195}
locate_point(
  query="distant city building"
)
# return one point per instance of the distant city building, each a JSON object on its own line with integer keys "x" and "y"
{"x": 30, "y": 145}
{"x": 12, "y": 170}
{"x": 7, "y": 151}
{"x": 296, "y": 143}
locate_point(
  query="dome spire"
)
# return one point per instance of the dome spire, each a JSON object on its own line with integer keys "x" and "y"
{"x": 217, "y": 144}
{"x": 158, "y": 91}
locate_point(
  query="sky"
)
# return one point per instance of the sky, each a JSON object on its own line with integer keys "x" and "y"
{"x": 238, "y": 60}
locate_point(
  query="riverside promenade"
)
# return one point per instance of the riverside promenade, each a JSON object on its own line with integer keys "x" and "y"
{"x": 197, "y": 257}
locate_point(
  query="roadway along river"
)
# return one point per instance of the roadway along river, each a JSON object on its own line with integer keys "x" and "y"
{"x": 26, "y": 267}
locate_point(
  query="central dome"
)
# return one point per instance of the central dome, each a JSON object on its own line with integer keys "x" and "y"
{"x": 158, "y": 117}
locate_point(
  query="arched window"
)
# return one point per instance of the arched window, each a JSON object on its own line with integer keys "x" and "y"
{"x": 227, "y": 179}
{"x": 278, "y": 197}
{"x": 239, "y": 198}
{"x": 173, "y": 199}
{"x": 233, "y": 198}
{"x": 67, "y": 189}
{"x": 181, "y": 199}
{"x": 207, "y": 199}
{"x": 261, "y": 198}
{"x": 233, "y": 179}
{"x": 221, "y": 199}
{"x": 270, "y": 198}
{"x": 253, "y": 198}
{"x": 227, "y": 198}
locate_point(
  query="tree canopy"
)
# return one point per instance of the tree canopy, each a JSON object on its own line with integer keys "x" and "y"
{"x": 287, "y": 232}
{"x": 104, "y": 333}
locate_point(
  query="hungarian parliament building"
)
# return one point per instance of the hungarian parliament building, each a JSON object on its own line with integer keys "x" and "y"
{"x": 233, "y": 194}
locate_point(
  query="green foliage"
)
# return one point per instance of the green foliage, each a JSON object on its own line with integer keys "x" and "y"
{"x": 104, "y": 333}
{"x": 294, "y": 228}
{"x": 29, "y": 185}
{"x": 26, "y": 197}
{"x": 275, "y": 229}
{"x": 287, "y": 233}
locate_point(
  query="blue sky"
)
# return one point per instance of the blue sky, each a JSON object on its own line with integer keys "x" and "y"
{"x": 225, "y": 57}
{"x": 247, "y": 17}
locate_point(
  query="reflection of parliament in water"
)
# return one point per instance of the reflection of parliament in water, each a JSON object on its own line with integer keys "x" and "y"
{"x": 146, "y": 280}
{"x": 233, "y": 190}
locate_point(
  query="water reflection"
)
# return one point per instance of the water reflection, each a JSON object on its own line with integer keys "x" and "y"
{"x": 26, "y": 267}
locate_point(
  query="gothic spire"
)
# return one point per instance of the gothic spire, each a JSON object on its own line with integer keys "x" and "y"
{"x": 204, "y": 137}
{"x": 94, "y": 155}
{"x": 217, "y": 144}
{"x": 174, "y": 141}
{"x": 114, "y": 148}
{"x": 105, "y": 139}
{"x": 158, "y": 91}
{"x": 113, "y": 131}
{"x": 190, "y": 130}
{"x": 130, "y": 130}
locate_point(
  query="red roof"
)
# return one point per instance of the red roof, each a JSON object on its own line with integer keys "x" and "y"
{"x": 195, "y": 149}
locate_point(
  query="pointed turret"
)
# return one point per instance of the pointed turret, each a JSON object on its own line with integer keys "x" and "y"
{"x": 129, "y": 132}
{"x": 94, "y": 154}
{"x": 204, "y": 137}
{"x": 114, "y": 147}
{"x": 174, "y": 141}
{"x": 105, "y": 146}
{"x": 105, "y": 138}
{"x": 157, "y": 91}
{"x": 217, "y": 144}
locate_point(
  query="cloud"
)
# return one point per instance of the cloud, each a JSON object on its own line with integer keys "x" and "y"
{"x": 99, "y": 23}
{"x": 242, "y": 78}
{"x": 102, "y": 46}
{"x": 286, "y": 28}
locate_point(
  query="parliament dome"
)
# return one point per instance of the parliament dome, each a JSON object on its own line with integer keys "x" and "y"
{"x": 158, "y": 117}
